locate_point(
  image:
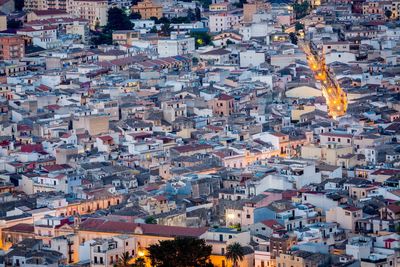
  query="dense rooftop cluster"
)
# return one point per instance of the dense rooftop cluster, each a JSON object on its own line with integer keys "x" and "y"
{"x": 125, "y": 125}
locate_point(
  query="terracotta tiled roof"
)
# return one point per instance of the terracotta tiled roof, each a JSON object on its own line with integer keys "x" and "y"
{"x": 102, "y": 225}
{"x": 21, "y": 227}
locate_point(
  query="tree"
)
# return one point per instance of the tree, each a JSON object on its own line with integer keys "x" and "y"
{"x": 163, "y": 20}
{"x": 150, "y": 220}
{"x": 19, "y": 5}
{"x": 117, "y": 20}
{"x": 155, "y": 20}
{"x": 205, "y": 3}
{"x": 135, "y": 15}
{"x": 166, "y": 29}
{"x": 201, "y": 38}
{"x": 299, "y": 26}
{"x": 181, "y": 252}
{"x": 101, "y": 38}
{"x": 240, "y": 3}
{"x": 123, "y": 260}
{"x": 14, "y": 24}
{"x": 301, "y": 10}
{"x": 197, "y": 13}
{"x": 139, "y": 262}
{"x": 388, "y": 13}
{"x": 293, "y": 38}
{"x": 180, "y": 20}
{"x": 234, "y": 253}
{"x": 153, "y": 29}
{"x": 190, "y": 15}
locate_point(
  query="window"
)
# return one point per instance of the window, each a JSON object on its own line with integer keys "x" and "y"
{"x": 248, "y": 216}
{"x": 101, "y": 260}
{"x": 95, "y": 259}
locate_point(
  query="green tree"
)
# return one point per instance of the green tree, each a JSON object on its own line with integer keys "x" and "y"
{"x": 293, "y": 38}
{"x": 190, "y": 15}
{"x": 19, "y": 5}
{"x": 14, "y": 24}
{"x": 153, "y": 29}
{"x": 135, "y": 15}
{"x": 166, "y": 29}
{"x": 235, "y": 253}
{"x": 197, "y": 13}
{"x": 139, "y": 262}
{"x": 155, "y": 20}
{"x": 201, "y": 38}
{"x": 301, "y": 10}
{"x": 150, "y": 220}
{"x": 388, "y": 13}
{"x": 117, "y": 20}
{"x": 181, "y": 252}
{"x": 123, "y": 260}
{"x": 240, "y": 3}
{"x": 205, "y": 3}
{"x": 299, "y": 26}
{"x": 163, "y": 20}
{"x": 179, "y": 20}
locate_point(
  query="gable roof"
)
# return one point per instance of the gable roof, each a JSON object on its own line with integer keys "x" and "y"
{"x": 103, "y": 225}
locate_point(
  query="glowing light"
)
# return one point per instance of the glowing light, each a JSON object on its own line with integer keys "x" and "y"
{"x": 336, "y": 99}
{"x": 140, "y": 253}
{"x": 230, "y": 216}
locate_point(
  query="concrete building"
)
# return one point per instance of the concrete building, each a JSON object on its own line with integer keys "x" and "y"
{"x": 346, "y": 216}
{"x": 3, "y": 22}
{"x": 106, "y": 252}
{"x": 223, "y": 21}
{"x": 176, "y": 45}
{"x": 125, "y": 37}
{"x": 249, "y": 9}
{"x": 251, "y": 58}
{"x": 95, "y": 11}
{"x": 12, "y": 47}
{"x": 148, "y": 9}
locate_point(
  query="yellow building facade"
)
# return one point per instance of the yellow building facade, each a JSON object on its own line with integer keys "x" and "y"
{"x": 148, "y": 9}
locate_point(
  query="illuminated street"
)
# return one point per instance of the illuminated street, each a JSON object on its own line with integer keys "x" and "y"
{"x": 336, "y": 98}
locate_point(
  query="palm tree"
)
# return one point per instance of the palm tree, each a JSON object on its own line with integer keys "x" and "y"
{"x": 139, "y": 262}
{"x": 123, "y": 260}
{"x": 234, "y": 253}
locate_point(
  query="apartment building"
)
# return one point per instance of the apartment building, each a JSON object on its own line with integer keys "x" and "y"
{"x": 249, "y": 9}
{"x": 223, "y": 21}
{"x": 95, "y": 11}
{"x": 176, "y": 45}
{"x": 148, "y": 9}
{"x": 11, "y": 47}
{"x": 45, "y": 5}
